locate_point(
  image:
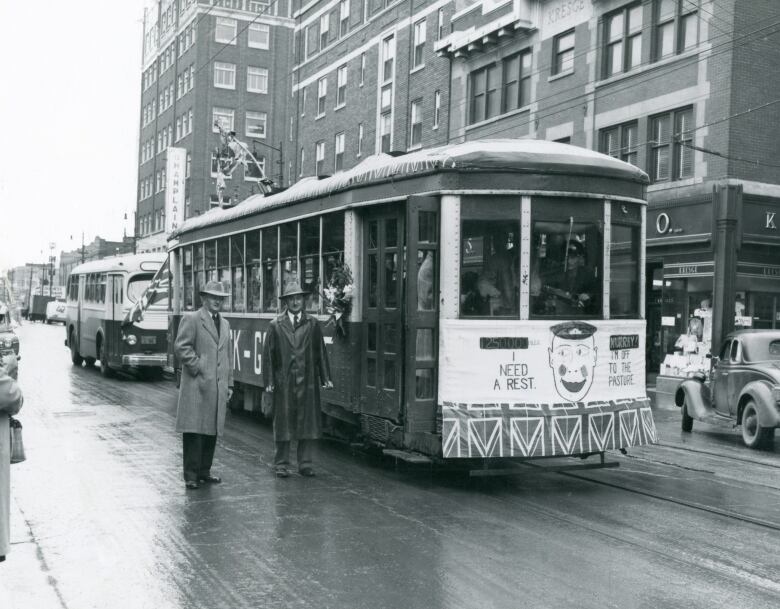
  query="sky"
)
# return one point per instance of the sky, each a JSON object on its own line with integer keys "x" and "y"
{"x": 71, "y": 101}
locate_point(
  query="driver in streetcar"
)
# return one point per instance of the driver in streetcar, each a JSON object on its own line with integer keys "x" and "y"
{"x": 572, "y": 291}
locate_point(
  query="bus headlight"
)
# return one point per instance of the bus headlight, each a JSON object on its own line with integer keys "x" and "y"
{"x": 131, "y": 340}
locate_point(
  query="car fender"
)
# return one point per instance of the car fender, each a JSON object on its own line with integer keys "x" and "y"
{"x": 761, "y": 393}
{"x": 696, "y": 395}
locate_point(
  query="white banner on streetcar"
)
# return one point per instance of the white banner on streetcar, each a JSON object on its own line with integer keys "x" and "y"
{"x": 175, "y": 168}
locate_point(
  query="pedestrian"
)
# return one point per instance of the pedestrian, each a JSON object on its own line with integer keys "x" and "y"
{"x": 295, "y": 365}
{"x": 202, "y": 346}
{"x": 11, "y": 400}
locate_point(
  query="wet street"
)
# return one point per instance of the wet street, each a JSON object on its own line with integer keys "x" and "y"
{"x": 101, "y": 518}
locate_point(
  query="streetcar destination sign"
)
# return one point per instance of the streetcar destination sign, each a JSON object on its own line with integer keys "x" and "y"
{"x": 503, "y": 342}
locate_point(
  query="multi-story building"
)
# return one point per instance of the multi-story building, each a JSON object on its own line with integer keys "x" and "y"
{"x": 681, "y": 88}
{"x": 207, "y": 61}
{"x": 366, "y": 79}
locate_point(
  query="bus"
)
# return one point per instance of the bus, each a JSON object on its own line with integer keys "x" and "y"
{"x": 99, "y": 326}
{"x": 481, "y": 300}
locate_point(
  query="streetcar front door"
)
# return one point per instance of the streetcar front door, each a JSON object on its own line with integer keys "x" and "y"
{"x": 382, "y": 339}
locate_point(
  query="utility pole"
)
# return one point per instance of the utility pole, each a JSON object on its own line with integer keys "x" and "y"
{"x": 52, "y": 258}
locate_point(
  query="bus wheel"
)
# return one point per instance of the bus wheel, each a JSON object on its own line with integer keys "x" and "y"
{"x": 105, "y": 369}
{"x": 90, "y": 361}
{"x": 74, "y": 352}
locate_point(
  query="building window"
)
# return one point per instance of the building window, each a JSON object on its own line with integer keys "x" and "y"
{"x": 385, "y": 131}
{"x": 623, "y": 40}
{"x": 563, "y": 53}
{"x": 322, "y": 93}
{"x": 256, "y": 80}
{"x": 303, "y": 101}
{"x": 360, "y": 140}
{"x": 388, "y": 58}
{"x": 440, "y": 33}
{"x": 419, "y": 44}
{"x": 303, "y": 161}
{"x": 343, "y": 17}
{"x": 362, "y": 68}
{"x": 224, "y": 116}
{"x": 436, "y": 109}
{"x": 255, "y": 124}
{"x": 415, "y": 113}
{"x": 485, "y": 101}
{"x": 671, "y": 155}
{"x": 188, "y": 166}
{"x": 517, "y": 81}
{"x": 675, "y": 23}
{"x": 341, "y": 82}
{"x": 621, "y": 142}
{"x": 259, "y": 35}
{"x": 224, "y": 75}
{"x": 339, "y": 151}
{"x": 319, "y": 158}
{"x": 324, "y": 25}
{"x": 225, "y": 30}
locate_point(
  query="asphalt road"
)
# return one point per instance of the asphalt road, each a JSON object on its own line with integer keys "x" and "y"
{"x": 101, "y": 519}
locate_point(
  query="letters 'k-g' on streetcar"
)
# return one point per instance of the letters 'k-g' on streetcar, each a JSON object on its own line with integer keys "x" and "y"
{"x": 497, "y": 305}
{"x": 100, "y": 296}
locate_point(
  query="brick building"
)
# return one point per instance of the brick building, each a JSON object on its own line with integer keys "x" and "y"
{"x": 681, "y": 88}
{"x": 366, "y": 79}
{"x": 226, "y": 60}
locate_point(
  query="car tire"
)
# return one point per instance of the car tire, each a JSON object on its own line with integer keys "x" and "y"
{"x": 75, "y": 356}
{"x": 687, "y": 420}
{"x": 753, "y": 434}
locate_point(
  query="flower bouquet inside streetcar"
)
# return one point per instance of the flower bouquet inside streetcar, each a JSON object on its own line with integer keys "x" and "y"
{"x": 482, "y": 300}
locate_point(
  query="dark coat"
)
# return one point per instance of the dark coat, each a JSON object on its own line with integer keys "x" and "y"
{"x": 10, "y": 402}
{"x": 296, "y": 364}
{"x": 206, "y": 373}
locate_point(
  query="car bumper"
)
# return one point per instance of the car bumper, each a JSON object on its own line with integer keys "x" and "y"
{"x": 141, "y": 360}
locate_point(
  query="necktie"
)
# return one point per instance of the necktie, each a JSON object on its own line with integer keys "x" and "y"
{"x": 215, "y": 317}
{"x": 297, "y": 320}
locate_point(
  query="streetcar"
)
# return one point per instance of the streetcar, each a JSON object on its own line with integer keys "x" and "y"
{"x": 101, "y": 296}
{"x": 481, "y": 300}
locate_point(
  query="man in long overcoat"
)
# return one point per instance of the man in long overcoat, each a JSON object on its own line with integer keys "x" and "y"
{"x": 10, "y": 402}
{"x": 202, "y": 346}
{"x": 295, "y": 365}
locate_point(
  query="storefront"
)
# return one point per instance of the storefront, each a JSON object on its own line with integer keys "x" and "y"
{"x": 713, "y": 265}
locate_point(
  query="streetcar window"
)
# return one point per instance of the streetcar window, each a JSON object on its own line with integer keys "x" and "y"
{"x": 566, "y": 258}
{"x": 624, "y": 261}
{"x": 223, "y": 268}
{"x": 332, "y": 244}
{"x": 288, "y": 252}
{"x": 270, "y": 268}
{"x": 490, "y": 257}
{"x": 210, "y": 261}
{"x": 310, "y": 265}
{"x": 253, "y": 271}
{"x": 237, "y": 272}
{"x": 187, "y": 277}
{"x": 199, "y": 273}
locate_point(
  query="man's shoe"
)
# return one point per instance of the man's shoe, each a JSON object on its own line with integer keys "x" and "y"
{"x": 191, "y": 485}
{"x": 308, "y": 472}
{"x": 281, "y": 472}
{"x": 211, "y": 479}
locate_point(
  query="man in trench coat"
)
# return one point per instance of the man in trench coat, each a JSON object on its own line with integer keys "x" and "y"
{"x": 10, "y": 402}
{"x": 295, "y": 365}
{"x": 202, "y": 346}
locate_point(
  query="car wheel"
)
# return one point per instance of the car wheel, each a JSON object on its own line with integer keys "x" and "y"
{"x": 687, "y": 420}
{"x": 753, "y": 434}
{"x": 75, "y": 357}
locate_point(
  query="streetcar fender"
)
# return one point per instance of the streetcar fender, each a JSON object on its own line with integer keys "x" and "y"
{"x": 695, "y": 394}
{"x": 761, "y": 393}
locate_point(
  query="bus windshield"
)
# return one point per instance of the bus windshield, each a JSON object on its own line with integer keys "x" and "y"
{"x": 137, "y": 285}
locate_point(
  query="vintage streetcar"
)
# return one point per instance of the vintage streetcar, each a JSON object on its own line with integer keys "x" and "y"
{"x": 482, "y": 300}
{"x": 100, "y": 298}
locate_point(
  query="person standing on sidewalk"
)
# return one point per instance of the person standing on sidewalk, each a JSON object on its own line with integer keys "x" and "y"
{"x": 11, "y": 401}
{"x": 206, "y": 384}
{"x": 295, "y": 365}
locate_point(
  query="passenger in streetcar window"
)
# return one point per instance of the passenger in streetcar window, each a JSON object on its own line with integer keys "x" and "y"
{"x": 572, "y": 289}
{"x": 203, "y": 348}
{"x": 498, "y": 281}
{"x": 295, "y": 366}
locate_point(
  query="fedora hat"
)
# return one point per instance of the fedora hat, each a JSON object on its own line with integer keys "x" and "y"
{"x": 214, "y": 288}
{"x": 293, "y": 288}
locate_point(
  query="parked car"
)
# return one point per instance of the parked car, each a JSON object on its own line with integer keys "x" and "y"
{"x": 743, "y": 389}
{"x": 9, "y": 341}
{"x": 55, "y": 311}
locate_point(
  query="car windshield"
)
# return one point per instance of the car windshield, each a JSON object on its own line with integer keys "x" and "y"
{"x": 762, "y": 350}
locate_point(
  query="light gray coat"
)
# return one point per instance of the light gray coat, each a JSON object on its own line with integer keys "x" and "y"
{"x": 206, "y": 373}
{"x": 10, "y": 402}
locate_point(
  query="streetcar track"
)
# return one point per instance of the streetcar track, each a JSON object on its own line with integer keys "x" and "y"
{"x": 721, "y": 455}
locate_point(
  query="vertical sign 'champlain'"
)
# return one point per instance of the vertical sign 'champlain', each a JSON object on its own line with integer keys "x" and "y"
{"x": 174, "y": 187}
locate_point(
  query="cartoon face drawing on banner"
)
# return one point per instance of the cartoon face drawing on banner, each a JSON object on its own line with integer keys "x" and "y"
{"x": 573, "y": 359}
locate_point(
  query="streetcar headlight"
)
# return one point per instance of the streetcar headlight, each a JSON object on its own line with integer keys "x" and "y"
{"x": 131, "y": 339}
{"x": 776, "y": 393}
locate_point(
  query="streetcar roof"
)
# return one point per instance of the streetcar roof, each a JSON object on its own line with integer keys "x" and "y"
{"x": 499, "y": 155}
{"x": 150, "y": 262}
